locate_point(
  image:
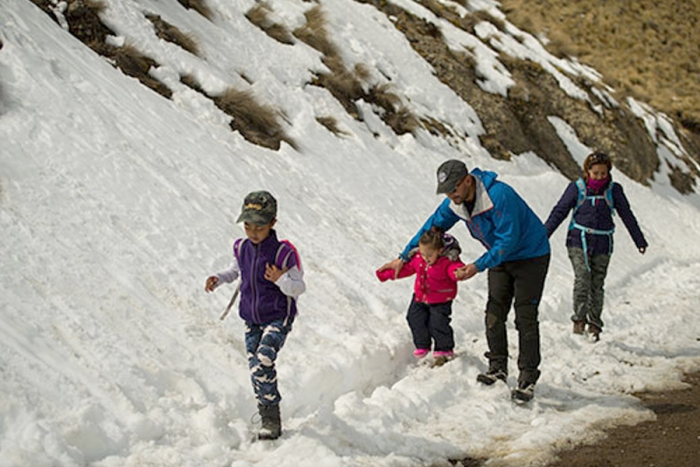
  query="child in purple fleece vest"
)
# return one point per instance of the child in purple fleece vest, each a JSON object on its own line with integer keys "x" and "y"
{"x": 271, "y": 281}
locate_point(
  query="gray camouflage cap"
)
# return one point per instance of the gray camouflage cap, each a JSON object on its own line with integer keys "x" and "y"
{"x": 259, "y": 208}
{"x": 449, "y": 174}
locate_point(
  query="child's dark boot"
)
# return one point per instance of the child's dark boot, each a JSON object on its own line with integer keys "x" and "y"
{"x": 271, "y": 423}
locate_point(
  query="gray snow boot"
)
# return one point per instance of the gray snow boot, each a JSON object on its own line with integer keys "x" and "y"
{"x": 271, "y": 423}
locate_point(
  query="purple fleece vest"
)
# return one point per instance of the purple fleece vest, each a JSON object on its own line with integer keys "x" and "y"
{"x": 261, "y": 301}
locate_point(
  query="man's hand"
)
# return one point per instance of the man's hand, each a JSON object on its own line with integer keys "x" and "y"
{"x": 395, "y": 264}
{"x": 272, "y": 273}
{"x": 211, "y": 283}
{"x": 467, "y": 272}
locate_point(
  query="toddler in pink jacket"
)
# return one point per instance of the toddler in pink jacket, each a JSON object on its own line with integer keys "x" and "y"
{"x": 434, "y": 263}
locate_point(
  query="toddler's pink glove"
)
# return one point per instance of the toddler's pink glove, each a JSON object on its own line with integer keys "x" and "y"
{"x": 384, "y": 275}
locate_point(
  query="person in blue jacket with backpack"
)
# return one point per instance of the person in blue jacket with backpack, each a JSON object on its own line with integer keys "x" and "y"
{"x": 516, "y": 257}
{"x": 593, "y": 198}
{"x": 271, "y": 281}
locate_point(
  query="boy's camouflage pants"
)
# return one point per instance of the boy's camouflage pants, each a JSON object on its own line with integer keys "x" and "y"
{"x": 263, "y": 342}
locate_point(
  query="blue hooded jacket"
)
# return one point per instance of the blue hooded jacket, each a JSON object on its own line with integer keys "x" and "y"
{"x": 501, "y": 220}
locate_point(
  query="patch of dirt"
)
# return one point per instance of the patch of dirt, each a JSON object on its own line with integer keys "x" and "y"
{"x": 82, "y": 17}
{"x": 646, "y": 48}
{"x": 520, "y": 122}
{"x": 672, "y": 440}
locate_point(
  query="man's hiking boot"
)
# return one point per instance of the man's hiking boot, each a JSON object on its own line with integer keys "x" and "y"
{"x": 579, "y": 327}
{"x": 492, "y": 376}
{"x": 524, "y": 392}
{"x": 271, "y": 423}
{"x": 594, "y": 331}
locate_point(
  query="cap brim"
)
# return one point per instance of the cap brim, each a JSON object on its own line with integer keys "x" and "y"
{"x": 443, "y": 189}
{"x": 253, "y": 218}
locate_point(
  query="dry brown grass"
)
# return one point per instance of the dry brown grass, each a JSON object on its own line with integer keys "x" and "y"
{"x": 393, "y": 111}
{"x": 437, "y": 128}
{"x": 243, "y": 105}
{"x": 170, "y": 33}
{"x": 200, "y": 6}
{"x": 331, "y": 124}
{"x": 314, "y": 33}
{"x": 402, "y": 121}
{"x": 383, "y": 96}
{"x": 259, "y": 15}
{"x": 466, "y": 23}
{"x": 494, "y": 147}
{"x": 258, "y": 123}
{"x": 131, "y": 61}
{"x": 83, "y": 18}
{"x": 647, "y": 49}
{"x": 191, "y": 82}
{"x": 348, "y": 85}
{"x": 135, "y": 64}
{"x": 340, "y": 81}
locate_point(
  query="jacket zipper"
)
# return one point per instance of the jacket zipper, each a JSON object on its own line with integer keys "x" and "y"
{"x": 255, "y": 312}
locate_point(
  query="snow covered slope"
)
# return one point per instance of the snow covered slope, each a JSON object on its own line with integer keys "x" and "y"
{"x": 116, "y": 203}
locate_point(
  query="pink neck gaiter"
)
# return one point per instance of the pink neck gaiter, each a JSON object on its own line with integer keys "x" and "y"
{"x": 597, "y": 185}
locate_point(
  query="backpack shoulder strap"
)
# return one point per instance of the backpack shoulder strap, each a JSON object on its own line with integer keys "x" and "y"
{"x": 608, "y": 194}
{"x": 282, "y": 256}
{"x": 582, "y": 196}
{"x": 237, "y": 248}
{"x": 581, "y": 185}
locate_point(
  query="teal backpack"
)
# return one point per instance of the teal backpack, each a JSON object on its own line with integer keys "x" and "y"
{"x": 582, "y": 198}
{"x": 607, "y": 196}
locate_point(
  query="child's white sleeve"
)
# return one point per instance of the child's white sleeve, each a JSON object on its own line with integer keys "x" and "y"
{"x": 291, "y": 283}
{"x": 230, "y": 274}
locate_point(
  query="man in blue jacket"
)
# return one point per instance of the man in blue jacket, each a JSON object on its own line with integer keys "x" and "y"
{"x": 516, "y": 257}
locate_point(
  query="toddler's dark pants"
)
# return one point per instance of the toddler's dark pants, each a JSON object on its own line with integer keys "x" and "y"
{"x": 431, "y": 323}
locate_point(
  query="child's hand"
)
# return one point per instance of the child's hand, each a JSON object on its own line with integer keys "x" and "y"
{"x": 395, "y": 265}
{"x": 211, "y": 283}
{"x": 385, "y": 275}
{"x": 466, "y": 272}
{"x": 272, "y": 273}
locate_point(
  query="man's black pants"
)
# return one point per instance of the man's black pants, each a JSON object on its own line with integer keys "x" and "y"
{"x": 520, "y": 283}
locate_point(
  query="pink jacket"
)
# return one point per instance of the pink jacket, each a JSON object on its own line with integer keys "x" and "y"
{"x": 434, "y": 284}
